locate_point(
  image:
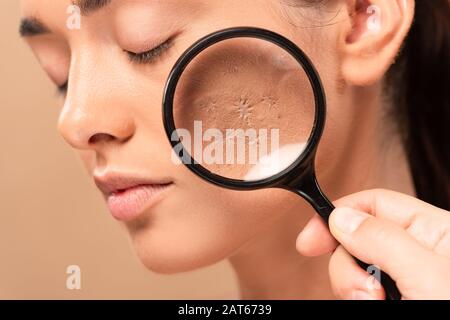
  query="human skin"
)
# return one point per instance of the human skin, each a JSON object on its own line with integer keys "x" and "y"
{"x": 112, "y": 117}
{"x": 407, "y": 238}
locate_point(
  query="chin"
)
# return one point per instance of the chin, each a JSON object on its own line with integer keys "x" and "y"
{"x": 157, "y": 257}
{"x": 166, "y": 251}
{"x": 168, "y": 240}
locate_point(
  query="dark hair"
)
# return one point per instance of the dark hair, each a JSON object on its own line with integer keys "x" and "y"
{"x": 420, "y": 84}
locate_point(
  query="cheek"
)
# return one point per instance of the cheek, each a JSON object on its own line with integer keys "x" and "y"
{"x": 88, "y": 159}
{"x": 341, "y": 123}
{"x": 200, "y": 226}
{"x": 341, "y": 129}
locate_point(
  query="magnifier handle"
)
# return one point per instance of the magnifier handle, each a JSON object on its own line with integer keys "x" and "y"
{"x": 390, "y": 288}
{"x": 310, "y": 190}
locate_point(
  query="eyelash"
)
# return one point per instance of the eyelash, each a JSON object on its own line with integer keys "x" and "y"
{"x": 141, "y": 58}
{"x": 151, "y": 55}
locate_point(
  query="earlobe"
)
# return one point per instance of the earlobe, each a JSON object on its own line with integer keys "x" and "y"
{"x": 373, "y": 38}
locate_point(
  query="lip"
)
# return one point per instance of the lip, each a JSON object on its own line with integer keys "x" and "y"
{"x": 128, "y": 196}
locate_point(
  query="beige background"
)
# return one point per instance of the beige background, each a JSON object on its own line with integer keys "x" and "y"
{"x": 51, "y": 214}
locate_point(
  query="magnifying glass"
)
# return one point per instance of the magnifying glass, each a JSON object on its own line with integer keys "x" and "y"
{"x": 244, "y": 109}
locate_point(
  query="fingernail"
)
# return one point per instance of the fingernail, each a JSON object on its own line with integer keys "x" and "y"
{"x": 360, "y": 295}
{"x": 347, "y": 220}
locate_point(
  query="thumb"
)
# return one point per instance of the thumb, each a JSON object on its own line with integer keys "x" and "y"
{"x": 379, "y": 242}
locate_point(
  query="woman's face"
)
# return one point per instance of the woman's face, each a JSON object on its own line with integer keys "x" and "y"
{"x": 112, "y": 116}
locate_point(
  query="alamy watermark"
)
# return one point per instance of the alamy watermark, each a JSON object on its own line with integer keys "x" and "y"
{"x": 73, "y": 281}
{"x": 374, "y": 20}
{"x": 229, "y": 146}
{"x": 73, "y": 22}
{"x": 373, "y": 282}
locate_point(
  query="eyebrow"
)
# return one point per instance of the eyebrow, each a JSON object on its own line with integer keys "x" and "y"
{"x": 89, "y": 6}
{"x": 32, "y": 26}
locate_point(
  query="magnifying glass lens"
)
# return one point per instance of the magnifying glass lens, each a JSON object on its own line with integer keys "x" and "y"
{"x": 244, "y": 109}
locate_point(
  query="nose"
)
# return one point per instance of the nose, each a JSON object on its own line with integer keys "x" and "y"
{"x": 94, "y": 115}
{"x": 86, "y": 126}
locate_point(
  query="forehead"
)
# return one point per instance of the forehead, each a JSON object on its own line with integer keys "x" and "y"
{"x": 86, "y": 6}
{"x": 55, "y": 13}
{"x": 37, "y": 8}
{"x": 54, "y": 16}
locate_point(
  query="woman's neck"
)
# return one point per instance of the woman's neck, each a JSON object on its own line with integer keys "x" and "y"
{"x": 269, "y": 267}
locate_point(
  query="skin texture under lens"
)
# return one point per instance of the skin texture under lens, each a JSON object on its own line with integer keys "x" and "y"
{"x": 244, "y": 108}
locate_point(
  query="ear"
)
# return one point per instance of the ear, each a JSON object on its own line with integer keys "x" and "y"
{"x": 373, "y": 38}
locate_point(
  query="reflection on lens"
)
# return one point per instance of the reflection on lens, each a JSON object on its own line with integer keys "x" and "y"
{"x": 244, "y": 109}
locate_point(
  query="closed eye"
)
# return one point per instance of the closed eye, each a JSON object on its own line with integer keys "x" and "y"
{"x": 142, "y": 58}
{"x": 151, "y": 55}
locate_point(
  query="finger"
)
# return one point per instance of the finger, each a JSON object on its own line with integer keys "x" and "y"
{"x": 429, "y": 225}
{"x": 315, "y": 239}
{"x": 379, "y": 242}
{"x": 349, "y": 281}
{"x": 393, "y": 206}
